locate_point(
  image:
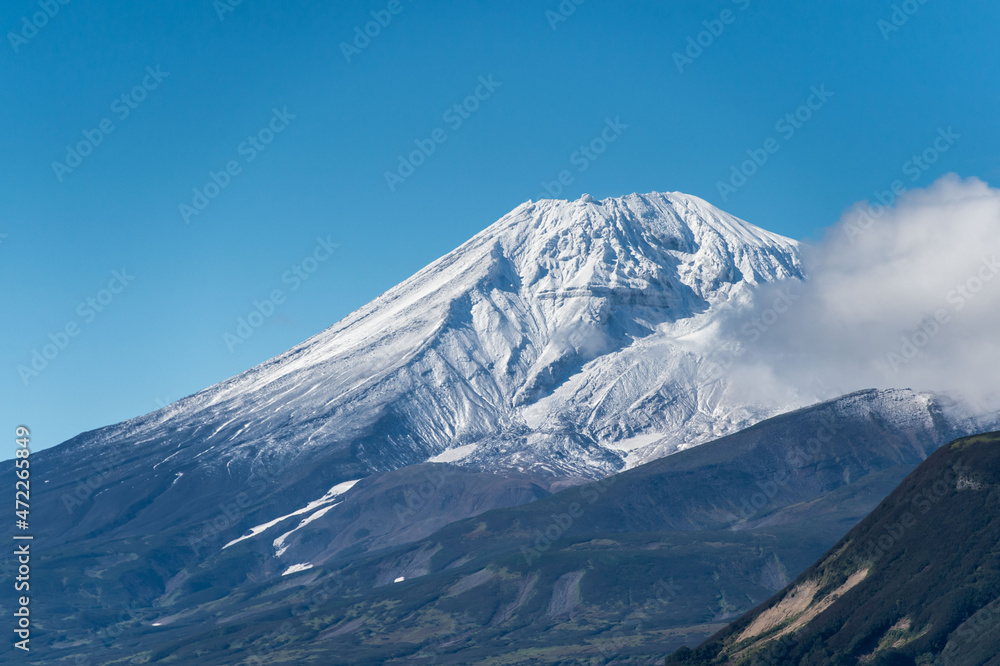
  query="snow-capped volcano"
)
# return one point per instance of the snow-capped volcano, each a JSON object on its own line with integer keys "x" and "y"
{"x": 541, "y": 343}
{"x": 567, "y": 340}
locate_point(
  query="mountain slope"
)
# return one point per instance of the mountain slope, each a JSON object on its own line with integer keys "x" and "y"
{"x": 538, "y": 346}
{"x": 563, "y": 343}
{"x": 752, "y": 478}
{"x": 918, "y": 581}
{"x": 448, "y": 356}
{"x": 650, "y": 559}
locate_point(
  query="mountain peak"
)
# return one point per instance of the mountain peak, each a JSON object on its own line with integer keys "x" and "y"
{"x": 537, "y": 344}
{"x": 639, "y": 242}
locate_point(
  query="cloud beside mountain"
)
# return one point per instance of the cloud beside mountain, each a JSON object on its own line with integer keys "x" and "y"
{"x": 907, "y": 296}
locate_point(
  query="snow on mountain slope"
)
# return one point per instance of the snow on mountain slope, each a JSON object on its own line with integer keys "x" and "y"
{"x": 546, "y": 339}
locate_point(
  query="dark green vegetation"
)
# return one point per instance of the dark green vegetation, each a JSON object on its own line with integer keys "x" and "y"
{"x": 931, "y": 594}
{"x": 626, "y": 569}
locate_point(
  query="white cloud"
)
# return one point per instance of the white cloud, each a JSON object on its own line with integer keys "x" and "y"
{"x": 908, "y": 299}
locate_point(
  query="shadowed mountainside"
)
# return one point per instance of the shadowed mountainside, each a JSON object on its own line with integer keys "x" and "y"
{"x": 628, "y": 568}
{"x": 916, "y": 582}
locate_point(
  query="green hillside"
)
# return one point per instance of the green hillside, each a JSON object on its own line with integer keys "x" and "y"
{"x": 916, "y": 582}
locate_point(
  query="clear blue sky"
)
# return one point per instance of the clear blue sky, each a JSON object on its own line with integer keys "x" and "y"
{"x": 323, "y": 173}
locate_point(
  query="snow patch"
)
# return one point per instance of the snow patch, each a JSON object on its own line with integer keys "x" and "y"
{"x": 330, "y": 495}
{"x": 455, "y": 454}
{"x": 279, "y": 543}
{"x": 632, "y": 443}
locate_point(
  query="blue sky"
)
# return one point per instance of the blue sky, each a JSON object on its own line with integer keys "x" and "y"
{"x": 260, "y": 105}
